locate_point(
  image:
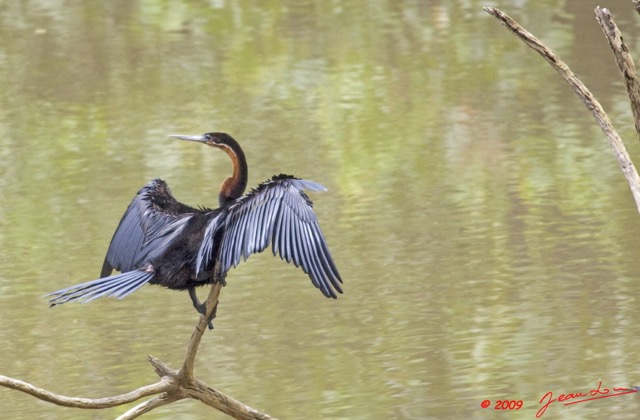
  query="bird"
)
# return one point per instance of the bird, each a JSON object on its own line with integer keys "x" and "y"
{"x": 162, "y": 241}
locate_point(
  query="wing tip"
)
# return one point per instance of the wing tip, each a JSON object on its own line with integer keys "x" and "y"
{"x": 305, "y": 184}
{"x": 118, "y": 285}
{"x": 330, "y": 292}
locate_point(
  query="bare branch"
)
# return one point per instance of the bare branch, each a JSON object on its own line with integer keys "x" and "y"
{"x": 191, "y": 387}
{"x": 149, "y": 405}
{"x": 587, "y": 97}
{"x": 189, "y": 360}
{"x": 162, "y": 386}
{"x": 623, "y": 58}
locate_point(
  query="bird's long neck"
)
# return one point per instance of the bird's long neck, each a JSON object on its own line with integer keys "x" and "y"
{"x": 234, "y": 186}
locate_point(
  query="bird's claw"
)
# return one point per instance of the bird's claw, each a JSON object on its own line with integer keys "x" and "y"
{"x": 202, "y": 307}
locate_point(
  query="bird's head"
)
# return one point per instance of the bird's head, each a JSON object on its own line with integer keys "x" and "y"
{"x": 219, "y": 140}
{"x": 234, "y": 186}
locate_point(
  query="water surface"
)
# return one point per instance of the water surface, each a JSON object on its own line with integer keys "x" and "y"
{"x": 485, "y": 233}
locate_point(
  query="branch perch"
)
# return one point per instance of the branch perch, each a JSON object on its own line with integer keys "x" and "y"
{"x": 174, "y": 385}
{"x": 627, "y": 167}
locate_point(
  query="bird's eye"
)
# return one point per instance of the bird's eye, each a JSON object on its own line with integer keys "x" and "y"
{"x": 208, "y": 137}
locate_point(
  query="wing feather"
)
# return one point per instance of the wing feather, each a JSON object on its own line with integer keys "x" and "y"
{"x": 118, "y": 285}
{"x": 149, "y": 228}
{"x": 206, "y": 252}
{"x": 279, "y": 213}
{"x": 151, "y": 223}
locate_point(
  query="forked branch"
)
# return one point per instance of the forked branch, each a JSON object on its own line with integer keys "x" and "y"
{"x": 174, "y": 384}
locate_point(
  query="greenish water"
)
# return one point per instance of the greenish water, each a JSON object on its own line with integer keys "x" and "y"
{"x": 486, "y": 236}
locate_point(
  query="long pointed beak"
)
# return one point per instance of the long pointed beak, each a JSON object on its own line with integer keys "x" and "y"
{"x": 199, "y": 139}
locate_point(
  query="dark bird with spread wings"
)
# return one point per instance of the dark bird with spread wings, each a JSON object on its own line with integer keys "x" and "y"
{"x": 162, "y": 241}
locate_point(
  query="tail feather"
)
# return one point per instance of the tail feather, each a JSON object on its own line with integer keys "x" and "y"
{"x": 118, "y": 286}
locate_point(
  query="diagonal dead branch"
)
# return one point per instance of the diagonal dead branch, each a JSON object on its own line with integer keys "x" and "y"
{"x": 626, "y": 165}
{"x": 623, "y": 58}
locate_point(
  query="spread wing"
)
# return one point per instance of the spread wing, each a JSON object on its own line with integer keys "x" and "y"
{"x": 151, "y": 224}
{"x": 278, "y": 213}
{"x": 152, "y": 221}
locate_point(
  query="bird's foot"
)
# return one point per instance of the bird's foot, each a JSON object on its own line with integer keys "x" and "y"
{"x": 203, "y": 311}
{"x": 201, "y": 307}
{"x": 212, "y": 316}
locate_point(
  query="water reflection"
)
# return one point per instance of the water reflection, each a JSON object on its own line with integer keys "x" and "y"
{"x": 485, "y": 234}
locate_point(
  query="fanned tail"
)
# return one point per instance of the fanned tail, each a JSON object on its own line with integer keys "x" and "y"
{"x": 118, "y": 286}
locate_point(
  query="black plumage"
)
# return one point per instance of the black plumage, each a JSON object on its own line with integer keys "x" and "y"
{"x": 162, "y": 241}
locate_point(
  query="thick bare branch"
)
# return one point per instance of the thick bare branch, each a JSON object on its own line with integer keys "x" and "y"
{"x": 628, "y": 169}
{"x": 222, "y": 402}
{"x": 623, "y": 58}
